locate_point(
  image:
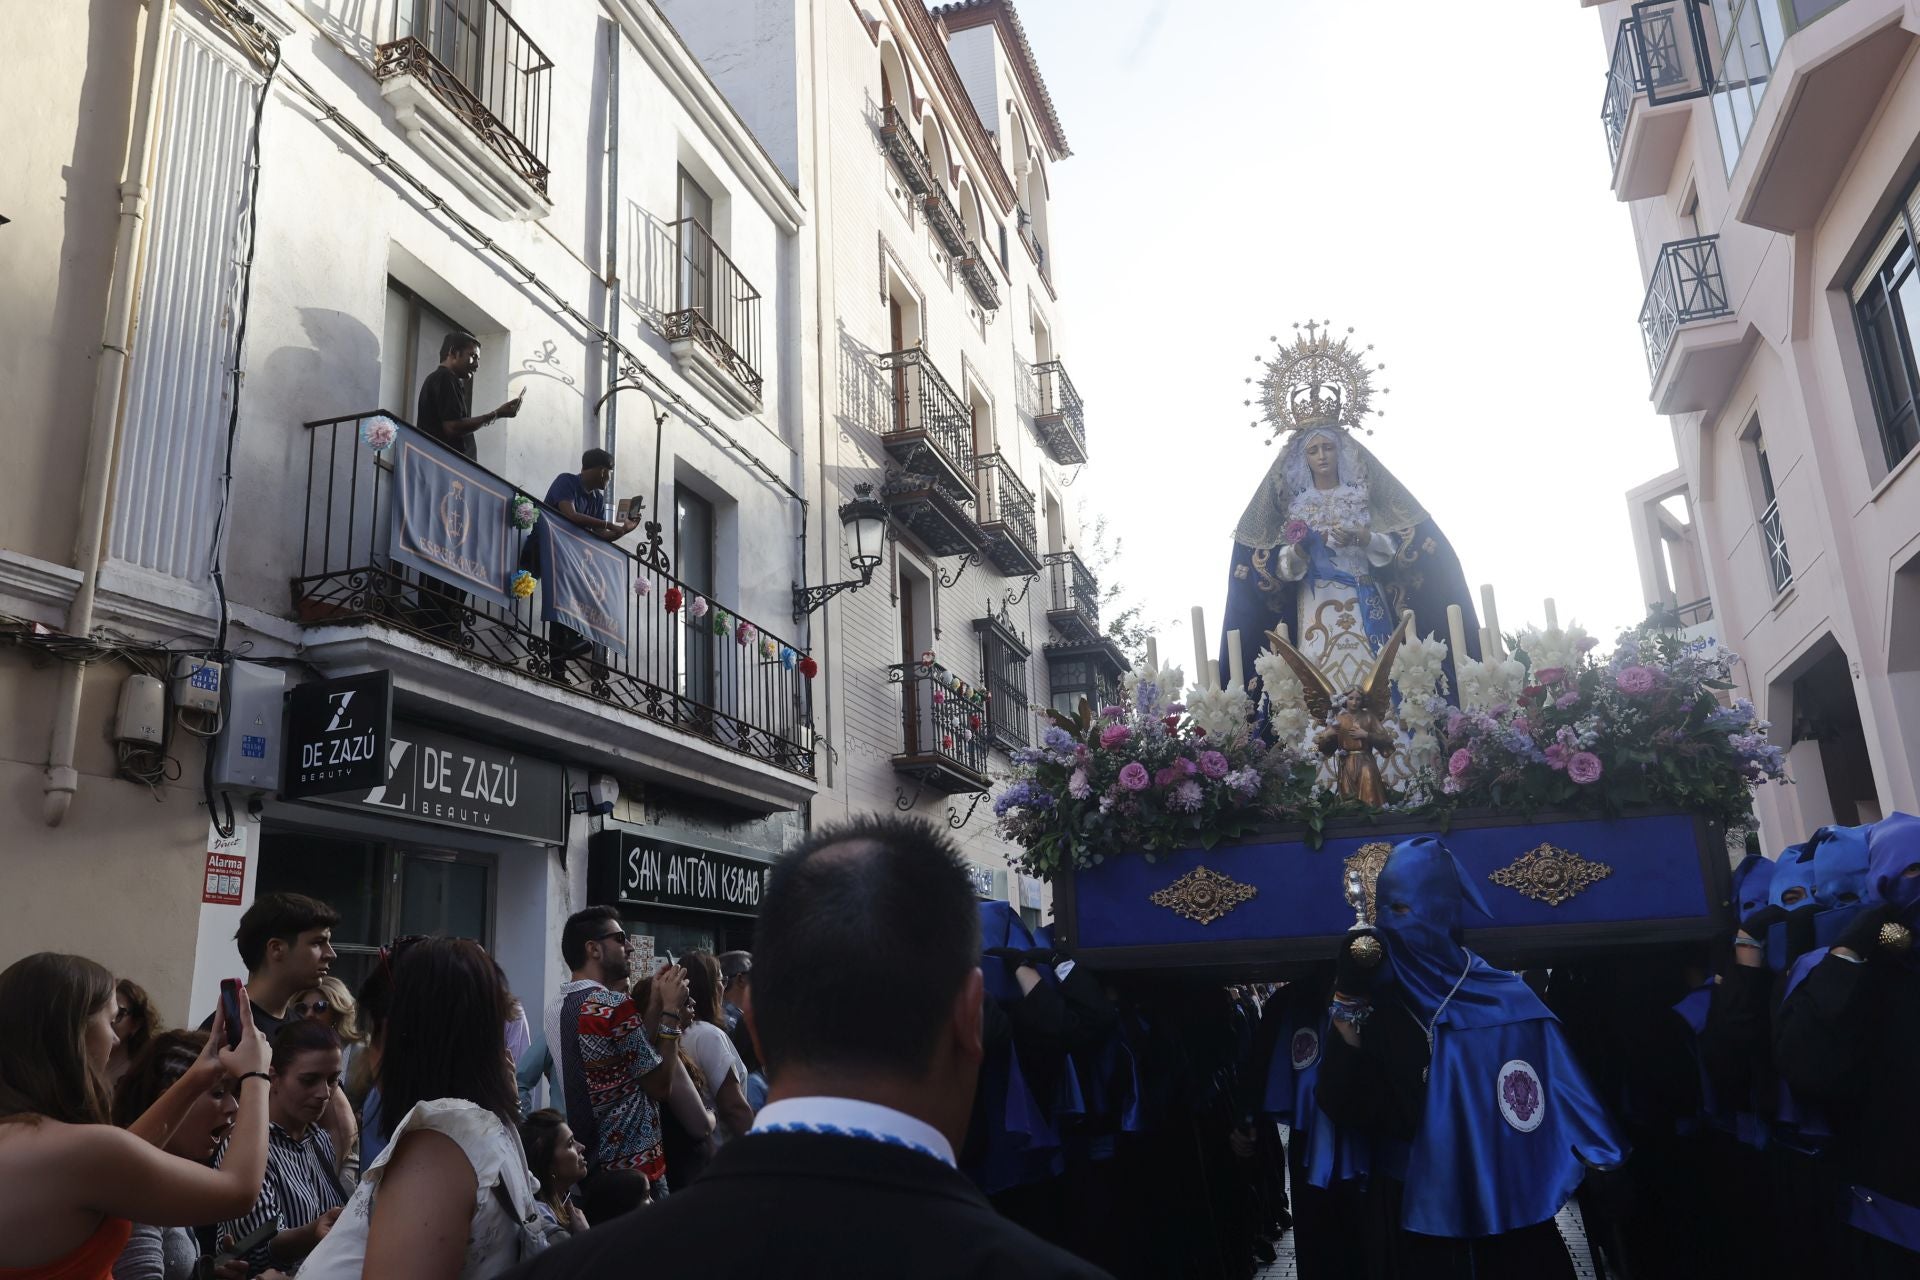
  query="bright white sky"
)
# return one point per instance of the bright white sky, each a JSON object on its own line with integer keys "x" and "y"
{"x": 1434, "y": 176}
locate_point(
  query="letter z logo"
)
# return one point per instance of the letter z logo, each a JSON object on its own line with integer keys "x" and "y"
{"x": 340, "y": 703}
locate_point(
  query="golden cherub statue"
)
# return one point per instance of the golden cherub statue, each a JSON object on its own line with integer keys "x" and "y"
{"x": 1358, "y": 732}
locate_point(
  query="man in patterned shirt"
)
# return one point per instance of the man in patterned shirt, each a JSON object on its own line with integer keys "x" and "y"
{"x": 618, "y": 1061}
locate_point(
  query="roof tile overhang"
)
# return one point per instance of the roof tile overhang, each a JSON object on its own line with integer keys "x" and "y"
{"x": 967, "y": 14}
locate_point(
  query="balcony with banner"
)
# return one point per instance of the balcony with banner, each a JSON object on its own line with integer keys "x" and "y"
{"x": 473, "y": 92}
{"x": 1660, "y": 65}
{"x": 416, "y": 559}
{"x": 712, "y": 325}
{"x": 1059, "y": 419}
{"x": 1695, "y": 344}
{"x": 943, "y": 727}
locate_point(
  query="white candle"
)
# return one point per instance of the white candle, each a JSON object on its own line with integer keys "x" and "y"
{"x": 1213, "y": 675}
{"x": 1553, "y": 619}
{"x": 1280, "y": 629}
{"x": 1199, "y": 644}
{"x": 1457, "y": 633}
{"x": 1153, "y": 655}
{"x": 1233, "y": 660}
{"x": 1493, "y": 650}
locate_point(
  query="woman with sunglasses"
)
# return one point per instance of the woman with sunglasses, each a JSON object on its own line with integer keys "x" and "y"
{"x": 75, "y": 1184}
{"x": 450, "y": 1194}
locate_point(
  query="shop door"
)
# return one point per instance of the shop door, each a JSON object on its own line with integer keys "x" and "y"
{"x": 443, "y": 895}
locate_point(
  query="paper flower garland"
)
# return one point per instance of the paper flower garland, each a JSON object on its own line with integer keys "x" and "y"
{"x": 524, "y": 513}
{"x": 699, "y": 607}
{"x": 642, "y": 588}
{"x": 523, "y": 584}
{"x": 672, "y": 599}
{"x": 721, "y": 622}
{"x": 768, "y": 649}
{"x": 378, "y": 433}
{"x": 744, "y": 632}
{"x": 788, "y": 657}
{"x": 809, "y": 668}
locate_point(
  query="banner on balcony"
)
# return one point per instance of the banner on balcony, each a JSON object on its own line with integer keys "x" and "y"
{"x": 450, "y": 519}
{"x": 583, "y": 583}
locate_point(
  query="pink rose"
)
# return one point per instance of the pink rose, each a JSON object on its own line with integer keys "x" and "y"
{"x": 1214, "y": 765}
{"x": 1583, "y": 767}
{"x": 1556, "y": 756}
{"x": 1551, "y": 675}
{"x": 1295, "y": 532}
{"x": 1134, "y": 776}
{"x": 1635, "y": 681}
{"x": 1459, "y": 762}
{"x": 1113, "y": 735}
{"x": 1077, "y": 785}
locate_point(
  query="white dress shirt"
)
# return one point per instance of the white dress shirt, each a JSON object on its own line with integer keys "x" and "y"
{"x": 856, "y": 1119}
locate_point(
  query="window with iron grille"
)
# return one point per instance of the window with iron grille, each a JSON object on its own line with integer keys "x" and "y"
{"x": 1003, "y": 658}
{"x": 1886, "y": 308}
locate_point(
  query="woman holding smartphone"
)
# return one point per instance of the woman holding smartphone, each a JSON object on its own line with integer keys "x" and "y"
{"x": 76, "y": 1184}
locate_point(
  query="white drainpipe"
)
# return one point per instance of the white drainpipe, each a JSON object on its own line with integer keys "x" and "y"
{"x": 109, "y": 382}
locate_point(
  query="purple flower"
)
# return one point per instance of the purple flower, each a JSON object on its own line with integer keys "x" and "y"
{"x": 1635, "y": 681}
{"x": 1245, "y": 781}
{"x": 1550, "y": 675}
{"x": 1078, "y": 786}
{"x": 1134, "y": 776}
{"x": 1450, "y": 785}
{"x": 1586, "y": 643}
{"x": 1583, "y": 767}
{"x": 1567, "y": 699}
{"x": 1167, "y": 777}
{"x": 1295, "y": 532}
{"x": 1186, "y": 796}
{"x": 1455, "y": 722}
{"x": 1557, "y": 756}
{"x": 1113, "y": 735}
{"x": 1214, "y": 765}
{"x": 1459, "y": 762}
{"x": 1114, "y": 713}
{"x": 1057, "y": 739}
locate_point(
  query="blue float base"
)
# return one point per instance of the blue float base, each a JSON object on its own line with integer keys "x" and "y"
{"x": 1667, "y": 881}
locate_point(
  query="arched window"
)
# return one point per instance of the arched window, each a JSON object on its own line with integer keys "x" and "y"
{"x": 895, "y": 89}
{"x": 970, "y": 214}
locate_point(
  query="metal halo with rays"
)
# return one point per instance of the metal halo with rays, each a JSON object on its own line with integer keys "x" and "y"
{"x": 1316, "y": 380}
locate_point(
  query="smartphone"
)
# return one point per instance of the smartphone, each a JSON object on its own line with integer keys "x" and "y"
{"x": 625, "y": 508}
{"x": 230, "y": 1004}
{"x": 240, "y": 1248}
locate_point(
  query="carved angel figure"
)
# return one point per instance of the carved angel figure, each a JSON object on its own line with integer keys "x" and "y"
{"x": 1356, "y": 733}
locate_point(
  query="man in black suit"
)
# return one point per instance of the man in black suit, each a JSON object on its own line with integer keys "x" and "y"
{"x": 866, "y": 1008}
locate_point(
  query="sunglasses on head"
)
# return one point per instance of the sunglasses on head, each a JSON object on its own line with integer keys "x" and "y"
{"x": 310, "y": 1008}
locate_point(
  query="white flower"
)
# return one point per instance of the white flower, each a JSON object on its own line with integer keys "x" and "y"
{"x": 1167, "y": 682}
{"x": 1547, "y": 650}
{"x": 1221, "y": 712}
{"x": 1287, "y": 718}
{"x": 1484, "y": 685}
{"x": 1419, "y": 668}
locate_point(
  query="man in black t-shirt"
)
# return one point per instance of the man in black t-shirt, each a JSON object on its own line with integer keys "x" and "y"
{"x": 446, "y": 413}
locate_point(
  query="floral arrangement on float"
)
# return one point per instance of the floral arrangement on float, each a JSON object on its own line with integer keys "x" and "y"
{"x": 1546, "y": 727}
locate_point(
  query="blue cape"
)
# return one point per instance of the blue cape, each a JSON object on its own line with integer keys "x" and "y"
{"x": 1326, "y": 1154}
{"x": 1022, "y": 1144}
{"x": 1508, "y": 1104}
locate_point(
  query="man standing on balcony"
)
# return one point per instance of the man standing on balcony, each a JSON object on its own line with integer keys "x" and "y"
{"x": 582, "y": 500}
{"x": 445, "y": 412}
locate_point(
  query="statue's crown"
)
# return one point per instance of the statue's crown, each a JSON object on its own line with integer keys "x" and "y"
{"x": 1316, "y": 380}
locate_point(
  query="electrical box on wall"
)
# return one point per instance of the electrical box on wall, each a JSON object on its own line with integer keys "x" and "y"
{"x": 196, "y": 683}
{"x": 247, "y": 753}
{"x": 142, "y": 717}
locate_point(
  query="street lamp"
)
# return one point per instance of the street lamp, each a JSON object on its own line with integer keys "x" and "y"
{"x": 865, "y": 520}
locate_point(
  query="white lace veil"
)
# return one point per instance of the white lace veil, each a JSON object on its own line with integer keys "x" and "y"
{"x": 1391, "y": 509}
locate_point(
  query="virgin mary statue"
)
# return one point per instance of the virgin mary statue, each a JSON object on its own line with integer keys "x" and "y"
{"x": 1332, "y": 546}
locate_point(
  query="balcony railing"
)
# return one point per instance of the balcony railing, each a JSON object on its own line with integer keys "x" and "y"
{"x": 675, "y": 672}
{"x": 715, "y": 304}
{"x": 1024, "y": 221}
{"x": 1779, "y": 567}
{"x": 1058, "y": 416}
{"x": 1695, "y": 612}
{"x": 1659, "y": 51}
{"x": 929, "y": 430}
{"x": 1073, "y": 597}
{"x": 945, "y": 220}
{"x": 476, "y": 60}
{"x": 943, "y": 728}
{"x": 1006, "y": 515}
{"x": 909, "y": 161}
{"x": 1686, "y": 286}
{"x": 1003, "y": 656}
{"x": 978, "y": 277}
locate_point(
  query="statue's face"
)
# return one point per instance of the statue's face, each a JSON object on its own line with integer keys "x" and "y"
{"x": 1323, "y": 461}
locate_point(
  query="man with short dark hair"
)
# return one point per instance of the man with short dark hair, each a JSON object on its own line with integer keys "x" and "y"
{"x": 618, "y": 1062}
{"x": 581, "y": 499}
{"x": 286, "y": 942}
{"x": 445, "y": 412}
{"x": 303, "y": 1193}
{"x": 849, "y": 1171}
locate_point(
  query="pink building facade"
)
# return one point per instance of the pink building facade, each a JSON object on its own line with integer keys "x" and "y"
{"x": 1768, "y": 153}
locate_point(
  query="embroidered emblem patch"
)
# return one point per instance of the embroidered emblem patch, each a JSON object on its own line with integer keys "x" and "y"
{"x": 1305, "y": 1048}
{"x": 1523, "y": 1103}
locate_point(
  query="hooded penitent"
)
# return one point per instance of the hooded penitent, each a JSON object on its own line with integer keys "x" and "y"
{"x": 1794, "y": 870}
{"x": 1893, "y": 864}
{"x": 1751, "y": 881}
{"x": 1508, "y": 1106}
{"x": 1839, "y": 866}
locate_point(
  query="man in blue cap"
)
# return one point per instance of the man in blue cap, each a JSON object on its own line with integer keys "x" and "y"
{"x": 1848, "y": 1034}
{"x": 1466, "y": 1083}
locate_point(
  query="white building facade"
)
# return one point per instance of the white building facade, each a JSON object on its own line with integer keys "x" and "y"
{"x": 765, "y": 254}
{"x": 1767, "y": 153}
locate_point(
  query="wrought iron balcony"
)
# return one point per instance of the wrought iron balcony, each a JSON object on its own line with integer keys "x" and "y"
{"x": 1006, "y": 516}
{"x": 715, "y": 304}
{"x": 943, "y": 724}
{"x": 474, "y": 58}
{"x": 978, "y": 277}
{"x": 1089, "y": 670}
{"x": 1058, "y": 416}
{"x": 909, "y": 161}
{"x": 942, "y": 525}
{"x": 1660, "y": 55}
{"x": 1073, "y": 598}
{"x": 1687, "y": 286}
{"x": 1779, "y": 566}
{"x": 929, "y": 431}
{"x": 675, "y": 672}
{"x": 945, "y": 220}
{"x": 1695, "y": 612}
{"x": 1003, "y": 656}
